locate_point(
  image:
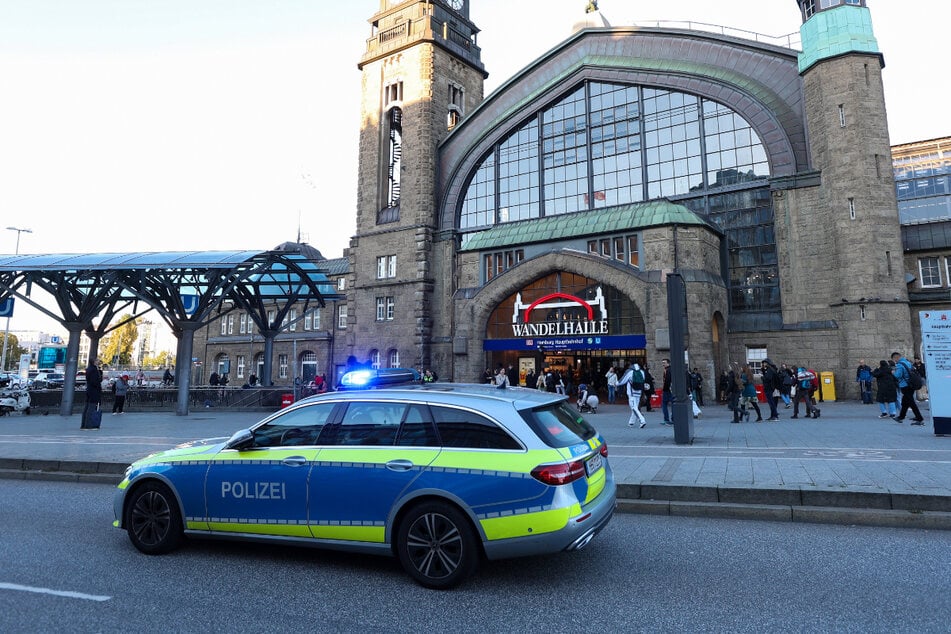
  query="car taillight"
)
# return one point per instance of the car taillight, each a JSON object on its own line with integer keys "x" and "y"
{"x": 604, "y": 450}
{"x": 560, "y": 473}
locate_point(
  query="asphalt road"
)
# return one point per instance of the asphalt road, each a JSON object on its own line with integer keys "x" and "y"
{"x": 64, "y": 568}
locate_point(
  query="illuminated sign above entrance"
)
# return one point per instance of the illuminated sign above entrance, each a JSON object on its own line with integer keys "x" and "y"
{"x": 586, "y": 322}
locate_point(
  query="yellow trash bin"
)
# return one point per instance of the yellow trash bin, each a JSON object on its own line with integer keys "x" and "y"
{"x": 827, "y": 385}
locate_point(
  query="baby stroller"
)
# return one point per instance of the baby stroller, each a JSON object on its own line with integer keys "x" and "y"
{"x": 587, "y": 402}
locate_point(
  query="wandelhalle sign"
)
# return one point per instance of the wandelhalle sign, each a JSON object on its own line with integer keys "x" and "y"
{"x": 586, "y": 329}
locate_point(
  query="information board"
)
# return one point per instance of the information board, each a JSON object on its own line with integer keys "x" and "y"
{"x": 936, "y": 344}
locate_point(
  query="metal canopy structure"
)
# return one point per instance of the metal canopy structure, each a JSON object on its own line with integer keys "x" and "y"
{"x": 187, "y": 289}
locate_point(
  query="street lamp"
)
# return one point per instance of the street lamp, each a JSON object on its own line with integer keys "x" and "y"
{"x": 6, "y": 332}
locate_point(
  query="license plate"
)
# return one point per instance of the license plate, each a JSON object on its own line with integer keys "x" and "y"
{"x": 593, "y": 463}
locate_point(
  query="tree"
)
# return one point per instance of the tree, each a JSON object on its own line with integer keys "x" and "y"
{"x": 160, "y": 360}
{"x": 14, "y": 351}
{"x": 118, "y": 346}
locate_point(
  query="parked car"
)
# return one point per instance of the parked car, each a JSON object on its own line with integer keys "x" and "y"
{"x": 49, "y": 381}
{"x": 10, "y": 380}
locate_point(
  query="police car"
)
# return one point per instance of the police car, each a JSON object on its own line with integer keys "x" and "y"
{"x": 439, "y": 475}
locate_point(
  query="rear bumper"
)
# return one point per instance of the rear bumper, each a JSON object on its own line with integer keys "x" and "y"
{"x": 576, "y": 534}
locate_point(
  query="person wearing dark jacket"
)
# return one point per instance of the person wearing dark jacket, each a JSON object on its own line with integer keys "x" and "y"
{"x": 772, "y": 385}
{"x": 93, "y": 393}
{"x": 887, "y": 392}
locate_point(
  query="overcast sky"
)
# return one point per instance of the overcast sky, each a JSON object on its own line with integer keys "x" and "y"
{"x": 158, "y": 125}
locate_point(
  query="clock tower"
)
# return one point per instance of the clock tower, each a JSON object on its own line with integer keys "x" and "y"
{"x": 422, "y": 72}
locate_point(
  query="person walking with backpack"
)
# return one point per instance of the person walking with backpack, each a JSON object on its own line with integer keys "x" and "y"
{"x": 908, "y": 381}
{"x": 804, "y": 380}
{"x": 633, "y": 382}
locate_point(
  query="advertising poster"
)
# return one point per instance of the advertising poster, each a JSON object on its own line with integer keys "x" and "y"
{"x": 936, "y": 344}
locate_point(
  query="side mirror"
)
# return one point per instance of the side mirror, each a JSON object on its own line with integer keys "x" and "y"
{"x": 241, "y": 440}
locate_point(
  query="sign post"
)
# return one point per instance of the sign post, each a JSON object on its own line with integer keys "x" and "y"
{"x": 936, "y": 341}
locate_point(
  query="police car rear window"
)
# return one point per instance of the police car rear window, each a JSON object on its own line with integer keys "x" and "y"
{"x": 559, "y": 425}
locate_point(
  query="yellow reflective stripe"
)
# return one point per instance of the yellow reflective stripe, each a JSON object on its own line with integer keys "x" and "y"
{"x": 511, "y": 461}
{"x": 526, "y": 524}
{"x": 596, "y": 484}
{"x": 124, "y": 484}
{"x": 288, "y": 530}
{"x": 594, "y": 443}
{"x": 374, "y": 534}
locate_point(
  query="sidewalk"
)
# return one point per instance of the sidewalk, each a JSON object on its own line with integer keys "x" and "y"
{"x": 849, "y": 466}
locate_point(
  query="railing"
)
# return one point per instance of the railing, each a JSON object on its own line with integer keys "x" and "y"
{"x": 791, "y": 40}
{"x": 166, "y": 399}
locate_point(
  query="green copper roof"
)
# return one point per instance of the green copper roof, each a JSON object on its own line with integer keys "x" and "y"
{"x": 583, "y": 223}
{"x": 845, "y": 29}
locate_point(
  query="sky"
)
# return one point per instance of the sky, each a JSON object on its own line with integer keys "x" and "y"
{"x": 161, "y": 125}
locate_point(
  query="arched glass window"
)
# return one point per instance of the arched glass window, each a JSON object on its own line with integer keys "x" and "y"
{"x": 375, "y": 359}
{"x": 393, "y": 358}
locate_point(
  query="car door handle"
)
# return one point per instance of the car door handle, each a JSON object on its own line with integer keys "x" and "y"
{"x": 399, "y": 465}
{"x": 295, "y": 461}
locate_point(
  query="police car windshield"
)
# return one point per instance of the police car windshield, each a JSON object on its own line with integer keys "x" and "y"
{"x": 559, "y": 425}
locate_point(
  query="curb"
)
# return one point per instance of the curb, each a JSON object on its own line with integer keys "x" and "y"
{"x": 791, "y": 504}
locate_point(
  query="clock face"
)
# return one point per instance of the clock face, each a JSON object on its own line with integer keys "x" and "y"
{"x": 456, "y": 4}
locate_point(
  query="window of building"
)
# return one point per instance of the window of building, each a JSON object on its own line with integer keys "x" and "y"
{"x": 385, "y": 267}
{"x": 851, "y": 208}
{"x": 497, "y": 263}
{"x": 231, "y": 324}
{"x": 841, "y": 115}
{"x": 633, "y": 252}
{"x": 341, "y": 283}
{"x": 809, "y": 8}
{"x": 390, "y": 213}
{"x": 241, "y": 363}
{"x": 308, "y": 320}
{"x": 342, "y": 317}
{"x": 271, "y": 316}
{"x": 394, "y": 358}
{"x": 375, "y": 359}
{"x": 393, "y": 93}
{"x": 755, "y": 356}
{"x": 243, "y": 323}
{"x": 308, "y": 366}
{"x": 224, "y": 325}
{"x": 385, "y": 308}
{"x": 282, "y": 365}
{"x": 456, "y": 105}
{"x": 929, "y": 271}
{"x": 316, "y": 315}
{"x": 292, "y": 319}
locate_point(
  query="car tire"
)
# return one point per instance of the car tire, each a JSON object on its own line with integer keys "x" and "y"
{"x": 153, "y": 519}
{"x": 437, "y": 545}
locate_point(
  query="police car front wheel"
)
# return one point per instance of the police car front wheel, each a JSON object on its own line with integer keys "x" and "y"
{"x": 153, "y": 520}
{"x": 437, "y": 546}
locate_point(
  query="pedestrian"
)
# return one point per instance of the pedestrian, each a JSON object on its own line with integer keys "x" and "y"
{"x": 887, "y": 389}
{"x": 223, "y": 380}
{"x": 723, "y": 387}
{"x": 633, "y": 383}
{"x": 167, "y": 378}
{"x": 749, "y": 398}
{"x": 121, "y": 389}
{"x": 429, "y": 376}
{"x": 540, "y": 382}
{"x": 214, "y": 380}
{"x": 501, "y": 378}
{"x": 488, "y": 376}
{"x": 611, "y": 376}
{"x": 734, "y": 390}
{"x": 863, "y": 374}
{"x": 922, "y": 393}
{"x": 804, "y": 382}
{"x": 649, "y": 387}
{"x": 772, "y": 386}
{"x": 93, "y": 396}
{"x": 140, "y": 378}
{"x": 696, "y": 386}
{"x": 512, "y": 374}
{"x": 789, "y": 383}
{"x": 903, "y": 370}
{"x": 667, "y": 397}
{"x": 531, "y": 381}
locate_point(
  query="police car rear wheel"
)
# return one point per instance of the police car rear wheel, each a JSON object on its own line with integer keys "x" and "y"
{"x": 153, "y": 520}
{"x": 437, "y": 546}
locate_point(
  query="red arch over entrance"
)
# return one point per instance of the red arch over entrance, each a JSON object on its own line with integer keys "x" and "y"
{"x": 572, "y": 298}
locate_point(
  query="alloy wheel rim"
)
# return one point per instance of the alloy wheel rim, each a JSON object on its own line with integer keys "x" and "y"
{"x": 151, "y": 518}
{"x": 434, "y": 545}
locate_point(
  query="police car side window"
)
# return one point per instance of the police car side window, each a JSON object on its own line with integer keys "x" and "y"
{"x": 369, "y": 423}
{"x": 300, "y": 426}
{"x": 417, "y": 429}
{"x": 465, "y": 429}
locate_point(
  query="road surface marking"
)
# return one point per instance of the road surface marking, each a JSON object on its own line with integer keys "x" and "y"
{"x": 58, "y": 593}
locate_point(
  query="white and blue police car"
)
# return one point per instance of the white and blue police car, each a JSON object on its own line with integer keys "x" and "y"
{"x": 439, "y": 475}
